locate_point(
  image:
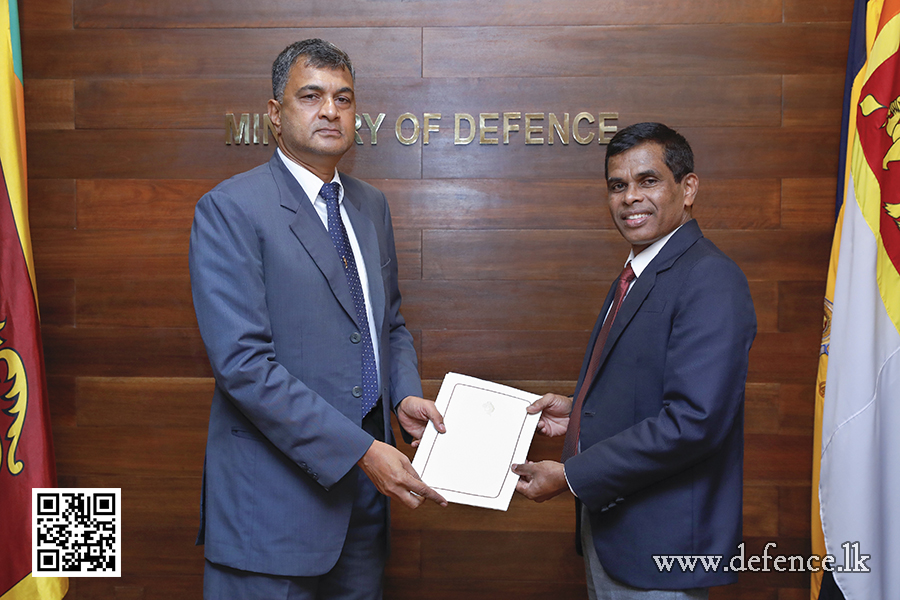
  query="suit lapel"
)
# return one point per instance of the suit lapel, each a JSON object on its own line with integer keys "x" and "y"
{"x": 643, "y": 285}
{"x": 308, "y": 228}
{"x": 367, "y": 238}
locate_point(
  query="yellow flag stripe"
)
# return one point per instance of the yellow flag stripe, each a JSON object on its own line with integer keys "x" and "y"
{"x": 12, "y": 136}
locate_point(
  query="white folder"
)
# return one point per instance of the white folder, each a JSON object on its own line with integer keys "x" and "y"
{"x": 487, "y": 431}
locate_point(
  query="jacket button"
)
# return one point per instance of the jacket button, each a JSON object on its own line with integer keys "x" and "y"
{"x": 355, "y": 337}
{"x": 357, "y": 391}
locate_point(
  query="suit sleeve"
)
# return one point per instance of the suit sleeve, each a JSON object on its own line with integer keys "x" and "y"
{"x": 405, "y": 380}
{"x": 706, "y": 361}
{"x": 229, "y": 293}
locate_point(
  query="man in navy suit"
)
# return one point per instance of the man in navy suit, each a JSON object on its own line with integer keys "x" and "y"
{"x": 294, "y": 280}
{"x": 658, "y": 434}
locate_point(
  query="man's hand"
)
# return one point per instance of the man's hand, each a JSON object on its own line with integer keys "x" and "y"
{"x": 555, "y": 418}
{"x": 414, "y": 413}
{"x": 394, "y": 476}
{"x": 542, "y": 480}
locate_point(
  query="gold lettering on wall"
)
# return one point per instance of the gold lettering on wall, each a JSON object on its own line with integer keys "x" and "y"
{"x": 507, "y": 126}
{"x": 483, "y": 129}
{"x": 373, "y": 127}
{"x": 604, "y": 128}
{"x": 457, "y": 138}
{"x": 241, "y": 133}
{"x": 254, "y": 129}
{"x": 561, "y": 129}
{"x": 429, "y": 126}
{"x": 407, "y": 141}
{"x": 582, "y": 116}
{"x": 531, "y": 130}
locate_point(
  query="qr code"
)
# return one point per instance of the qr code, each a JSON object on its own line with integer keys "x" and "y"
{"x": 75, "y": 532}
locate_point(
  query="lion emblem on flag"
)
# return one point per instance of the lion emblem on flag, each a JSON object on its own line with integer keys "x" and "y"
{"x": 891, "y": 125}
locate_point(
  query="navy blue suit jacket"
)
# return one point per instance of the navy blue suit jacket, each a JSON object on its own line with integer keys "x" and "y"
{"x": 662, "y": 424}
{"x": 279, "y": 325}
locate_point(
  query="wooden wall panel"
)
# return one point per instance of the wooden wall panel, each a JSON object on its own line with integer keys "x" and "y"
{"x": 498, "y": 305}
{"x": 752, "y": 100}
{"x": 505, "y": 251}
{"x": 522, "y": 254}
{"x": 578, "y": 254}
{"x": 165, "y": 402}
{"x": 805, "y": 11}
{"x": 563, "y": 204}
{"x": 51, "y": 104}
{"x": 151, "y": 204}
{"x": 725, "y": 153}
{"x": 142, "y": 154}
{"x": 113, "y": 452}
{"x": 125, "y": 352}
{"x": 57, "y": 301}
{"x": 765, "y": 302}
{"x": 556, "y": 355}
{"x": 47, "y": 14}
{"x": 813, "y": 100}
{"x": 808, "y": 204}
{"x": 111, "y": 254}
{"x": 151, "y": 53}
{"x": 52, "y": 203}
{"x": 135, "y": 303}
{"x": 417, "y": 13}
{"x": 691, "y": 49}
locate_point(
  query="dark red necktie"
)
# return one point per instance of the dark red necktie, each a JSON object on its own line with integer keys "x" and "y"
{"x": 570, "y": 446}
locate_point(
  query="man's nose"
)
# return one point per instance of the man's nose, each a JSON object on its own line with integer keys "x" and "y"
{"x": 632, "y": 193}
{"x": 329, "y": 108}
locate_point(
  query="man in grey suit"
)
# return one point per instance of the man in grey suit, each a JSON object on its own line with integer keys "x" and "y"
{"x": 294, "y": 280}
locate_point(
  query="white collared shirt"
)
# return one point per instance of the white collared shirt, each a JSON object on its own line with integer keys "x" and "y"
{"x": 640, "y": 262}
{"x": 311, "y": 185}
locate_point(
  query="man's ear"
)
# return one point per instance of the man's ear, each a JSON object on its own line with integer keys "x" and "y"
{"x": 274, "y": 109}
{"x": 691, "y": 184}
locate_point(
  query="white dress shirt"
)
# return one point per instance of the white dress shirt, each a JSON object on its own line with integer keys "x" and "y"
{"x": 311, "y": 185}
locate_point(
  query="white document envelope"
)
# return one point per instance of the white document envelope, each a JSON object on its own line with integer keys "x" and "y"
{"x": 487, "y": 431}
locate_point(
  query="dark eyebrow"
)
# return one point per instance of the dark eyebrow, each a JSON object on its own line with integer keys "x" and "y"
{"x": 649, "y": 173}
{"x": 640, "y": 176}
{"x": 310, "y": 88}
{"x": 318, "y": 88}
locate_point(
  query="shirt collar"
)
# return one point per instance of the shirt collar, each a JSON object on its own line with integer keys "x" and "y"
{"x": 310, "y": 183}
{"x": 640, "y": 262}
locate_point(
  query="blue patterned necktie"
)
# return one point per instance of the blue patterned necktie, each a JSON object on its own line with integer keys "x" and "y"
{"x": 329, "y": 193}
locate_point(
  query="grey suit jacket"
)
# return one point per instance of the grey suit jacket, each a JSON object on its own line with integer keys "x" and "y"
{"x": 279, "y": 325}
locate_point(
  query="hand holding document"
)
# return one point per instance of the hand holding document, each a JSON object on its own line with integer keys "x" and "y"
{"x": 488, "y": 430}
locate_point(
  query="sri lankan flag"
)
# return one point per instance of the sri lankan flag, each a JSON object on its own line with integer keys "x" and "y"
{"x": 25, "y": 443}
{"x": 856, "y": 471}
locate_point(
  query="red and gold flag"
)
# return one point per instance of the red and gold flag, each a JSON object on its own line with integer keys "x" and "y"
{"x": 856, "y": 467}
{"x": 26, "y": 449}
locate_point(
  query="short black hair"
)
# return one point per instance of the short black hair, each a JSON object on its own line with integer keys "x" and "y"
{"x": 319, "y": 54}
{"x": 678, "y": 154}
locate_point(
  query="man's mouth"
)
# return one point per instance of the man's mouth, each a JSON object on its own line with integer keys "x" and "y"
{"x": 330, "y": 132}
{"x": 636, "y": 218}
